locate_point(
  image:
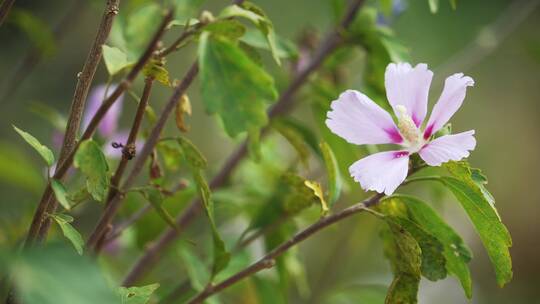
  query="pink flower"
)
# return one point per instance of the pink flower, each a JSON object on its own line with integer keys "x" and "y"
{"x": 109, "y": 124}
{"x": 360, "y": 121}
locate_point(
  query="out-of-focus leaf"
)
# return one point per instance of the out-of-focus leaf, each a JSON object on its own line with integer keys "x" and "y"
{"x": 186, "y": 10}
{"x": 115, "y": 59}
{"x": 183, "y": 107}
{"x": 295, "y": 139}
{"x": 479, "y": 206}
{"x": 308, "y": 135}
{"x": 45, "y": 152}
{"x": 38, "y": 32}
{"x": 69, "y": 232}
{"x": 266, "y": 291}
{"x": 137, "y": 295}
{"x": 16, "y": 169}
{"x": 93, "y": 164}
{"x": 50, "y": 114}
{"x": 457, "y": 254}
{"x": 230, "y": 28}
{"x": 198, "y": 163}
{"x": 433, "y": 6}
{"x": 171, "y": 153}
{"x": 332, "y": 171}
{"x": 318, "y": 192}
{"x": 56, "y": 275}
{"x": 284, "y": 48}
{"x": 233, "y": 86}
{"x": 155, "y": 197}
{"x": 140, "y": 26}
{"x": 60, "y": 193}
{"x": 256, "y": 15}
{"x": 157, "y": 71}
{"x": 364, "y": 294}
{"x": 195, "y": 267}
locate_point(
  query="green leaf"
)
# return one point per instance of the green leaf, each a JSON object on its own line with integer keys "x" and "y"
{"x": 332, "y": 171}
{"x": 60, "y": 193}
{"x": 156, "y": 70}
{"x": 137, "y": 295}
{"x": 45, "y": 152}
{"x": 230, "y": 28}
{"x": 38, "y": 32}
{"x": 491, "y": 230}
{"x": 364, "y": 294}
{"x": 69, "y": 232}
{"x": 115, "y": 59}
{"x": 295, "y": 139}
{"x": 140, "y": 27}
{"x": 93, "y": 164}
{"x": 433, "y": 6}
{"x": 284, "y": 47}
{"x": 57, "y": 275}
{"x": 197, "y": 163}
{"x": 256, "y": 15}
{"x": 16, "y": 169}
{"x": 186, "y": 10}
{"x": 195, "y": 268}
{"x": 155, "y": 197}
{"x": 233, "y": 86}
{"x": 457, "y": 254}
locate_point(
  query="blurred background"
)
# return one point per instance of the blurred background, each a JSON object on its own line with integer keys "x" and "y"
{"x": 497, "y": 42}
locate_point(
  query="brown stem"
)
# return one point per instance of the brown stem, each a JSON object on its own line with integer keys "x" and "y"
{"x": 268, "y": 260}
{"x": 4, "y": 9}
{"x": 128, "y": 152}
{"x": 77, "y": 107}
{"x": 37, "y": 229}
{"x": 283, "y": 105}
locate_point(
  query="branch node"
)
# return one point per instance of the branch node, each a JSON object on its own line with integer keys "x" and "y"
{"x": 129, "y": 151}
{"x": 268, "y": 263}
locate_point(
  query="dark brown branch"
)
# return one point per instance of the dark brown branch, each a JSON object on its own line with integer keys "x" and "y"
{"x": 32, "y": 58}
{"x": 44, "y": 205}
{"x": 128, "y": 152}
{"x": 4, "y": 10}
{"x": 283, "y": 105}
{"x": 85, "y": 78}
{"x": 268, "y": 260}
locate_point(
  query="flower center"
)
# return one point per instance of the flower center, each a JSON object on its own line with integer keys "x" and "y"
{"x": 408, "y": 129}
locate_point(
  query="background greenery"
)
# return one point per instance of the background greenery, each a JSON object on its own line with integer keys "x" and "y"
{"x": 496, "y": 42}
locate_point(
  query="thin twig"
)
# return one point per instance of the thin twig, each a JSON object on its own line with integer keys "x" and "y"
{"x": 92, "y": 126}
{"x": 268, "y": 260}
{"x": 4, "y": 10}
{"x": 78, "y": 102}
{"x": 283, "y": 105}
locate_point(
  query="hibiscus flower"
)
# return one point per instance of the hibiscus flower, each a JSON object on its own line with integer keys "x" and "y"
{"x": 359, "y": 120}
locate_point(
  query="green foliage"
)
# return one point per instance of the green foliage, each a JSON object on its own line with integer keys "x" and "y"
{"x": 197, "y": 163}
{"x": 332, "y": 170}
{"x": 295, "y": 139}
{"x": 467, "y": 185}
{"x": 56, "y": 275}
{"x": 365, "y": 294}
{"x": 230, "y": 28}
{"x": 195, "y": 268}
{"x": 232, "y": 85}
{"x": 155, "y": 197}
{"x": 284, "y": 47}
{"x": 45, "y": 152}
{"x": 256, "y": 15}
{"x": 140, "y": 27}
{"x": 37, "y": 31}
{"x": 60, "y": 193}
{"x": 137, "y": 295}
{"x": 156, "y": 70}
{"x": 185, "y": 10}
{"x": 69, "y": 232}
{"x": 16, "y": 169}
{"x": 93, "y": 164}
{"x": 115, "y": 59}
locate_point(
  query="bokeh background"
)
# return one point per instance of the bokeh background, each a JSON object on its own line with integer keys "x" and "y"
{"x": 497, "y": 42}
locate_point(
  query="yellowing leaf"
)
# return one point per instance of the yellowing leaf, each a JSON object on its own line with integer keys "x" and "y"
{"x": 182, "y": 107}
{"x": 317, "y": 190}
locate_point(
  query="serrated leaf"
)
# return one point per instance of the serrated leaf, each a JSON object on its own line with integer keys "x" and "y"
{"x": 115, "y": 59}
{"x": 137, "y": 295}
{"x": 69, "y": 232}
{"x": 255, "y": 14}
{"x": 45, "y": 152}
{"x": 318, "y": 192}
{"x": 332, "y": 171}
{"x": 233, "y": 86}
{"x": 230, "y": 28}
{"x": 457, "y": 254}
{"x": 155, "y": 198}
{"x": 93, "y": 164}
{"x": 60, "y": 193}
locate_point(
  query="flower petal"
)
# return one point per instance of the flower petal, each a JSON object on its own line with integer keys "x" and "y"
{"x": 109, "y": 124}
{"x": 451, "y": 99}
{"x": 381, "y": 172}
{"x": 408, "y": 87}
{"x": 359, "y": 120}
{"x": 448, "y": 147}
